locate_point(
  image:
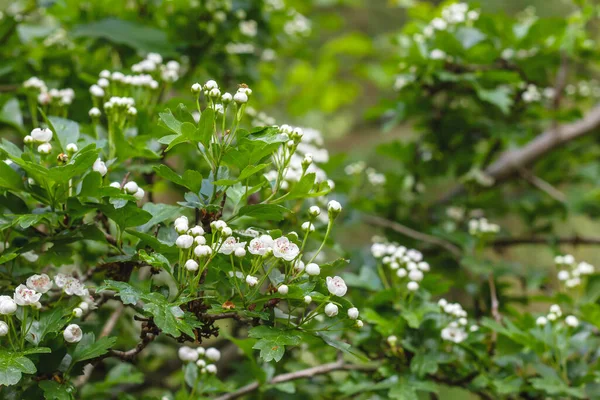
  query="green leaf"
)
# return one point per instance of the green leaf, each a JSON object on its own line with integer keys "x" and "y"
{"x": 191, "y": 179}
{"x": 14, "y": 364}
{"x": 127, "y": 293}
{"x": 245, "y": 174}
{"x": 56, "y": 391}
{"x": 500, "y": 97}
{"x": 273, "y": 341}
{"x": 206, "y": 126}
{"x": 160, "y": 213}
{"x": 264, "y": 212}
{"x": 128, "y": 216}
{"x": 88, "y": 347}
{"x": 424, "y": 364}
{"x": 11, "y": 114}
{"x": 338, "y": 344}
{"x": 169, "y": 121}
{"x": 142, "y": 38}
{"x": 66, "y": 131}
{"x": 9, "y": 178}
{"x": 49, "y": 322}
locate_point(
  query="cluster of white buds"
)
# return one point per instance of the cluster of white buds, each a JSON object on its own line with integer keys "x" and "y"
{"x": 482, "y": 227}
{"x": 41, "y": 137}
{"x": 243, "y": 94}
{"x": 297, "y": 25}
{"x": 356, "y": 168}
{"x": 452, "y": 15}
{"x": 554, "y": 315}
{"x": 58, "y": 97}
{"x": 170, "y": 71}
{"x": 35, "y": 84}
{"x": 131, "y": 188}
{"x": 248, "y": 28}
{"x": 456, "y": 330}
{"x": 584, "y": 89}
{"x": 120, "y": 104}
{"x": 571, "y": 271}
{"x": 531, "y": 94}
{"x": 406, "y": 264}
{"x": 203, "y": 358}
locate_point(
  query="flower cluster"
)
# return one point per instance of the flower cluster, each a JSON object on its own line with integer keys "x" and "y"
{"x": 456, "y": 330}
{"x": 131, "y": 188}
{"x": 28, "y": 296}
{"x": 451, "y": 16}
{"x": 571, "y": 272}
{"x": 405, "y": 264}
{"x": 56, "y": 101}
{"x": 373, "y": 177}
{"x": 554, "y": 315}
{"x": 480, "y": 227}
{"x": 203, "y": 358}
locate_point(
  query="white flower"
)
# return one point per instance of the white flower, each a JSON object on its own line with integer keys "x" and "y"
{"x": 392, "y": 340}
{"x": 94, "y": 112}
{"x": 181, "y": 225}
{"x": 7, "y": 305}
{"x": 210, "y": 85}
{"x": 41, "y": 135}
{"x": 211, "y": 368}
{"x": 412, "y": 286}
{"x": 474, "y": 328}
{"x": 313, "y": 269}
{"x": 572, "y": 321}
{"x": 331, "y": 310}
{"x": 230, "y": 245}
{"x": 573, "y": 282}
{"x": 60, "y": 280}
{"x": 551, "y": 317}
{"x": 77, "y": 312}
{"x": 555, "y": 308}
{"x": 401, "y": 273}
{"x": 239, "y": 252}
{"x": 202, "y": 250}
{"x": 439, "y": 24}
{"x": 73, "y": 286}
{"x": 218, "y": 225}
{"x": 73, "y": 333}
{"x": 184, "y": 241}
{"x": 283, "y": 289}
{"x": 139, "y": 194}
{"x": 260, "y": 245}
{"x": 3, "y": 328}
{"x": 187, "y": 354}
{"x": 100, "y": 167}
{"x": 200, "y": 240}
{"x": 201, "y": 351}
{"x": 191, "y": 265}
{"x": 96, "y": 91}
{"x": 454, "y": 334}
{"x": 72, "y": 148}
{"x": 359, "y": 323}
{"x": 201, "y": 363}
{"x": 336, "y": 286}
{"x": 308, "y": 226}
{"x": 251, "y": 280}
{"x": 307, "y": 299}
{"x": 541, "y": 321}
{"x": 131, "y": 187}
{"x": 196, "y": 88}
{"x": 353, "y": 313}
{"x": 334, "y": 207}
{"x": 39, "y": 283}
{"x": 196, "y": 230}
{"x": 25, "y": 297}
{"x": 213, "y": 354}
{"x": 442, "y": 302}
{"x": 44, "y": 148}
{"x": 584, "y": 268}
{"x": 283, "y": 248}
{"x": 462, "y": 321}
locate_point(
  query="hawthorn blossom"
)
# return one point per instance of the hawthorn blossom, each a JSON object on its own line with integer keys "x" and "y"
{"x": 184, "y": 241}
{"x": 213, "y": 354}
{"x": 7, "y": 305}
{"x": 187, "y": 354}
{"x": 230, "y": 245}
{"x": 283, "y": 248}
{"x": 39, "y": 283}
{"x": 41, "y": 135}
{"x": 25, "y": 297}
{"x": 331, "y": 310}
{"x": 3, "y": 328}
{"x": 454, "y": 334}
{"x": 336, "y": 286}
{"x": 283, "y": 289}
{"x": 313, "y": 269}
{"x": 73, "y": 333}
{"x": 251, "y": 280}
{"x": 572, "y": 321}
{"x": 353, "y": 313}
{"x": 100, "y": 167}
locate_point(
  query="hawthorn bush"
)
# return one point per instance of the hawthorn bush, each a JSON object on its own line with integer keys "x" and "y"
{"x": 163, "y": 238}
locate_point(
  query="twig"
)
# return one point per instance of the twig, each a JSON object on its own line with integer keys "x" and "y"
{"x": 575, "y": 241}
{"x": 495, "y": 304}
{"x": 338, "y": 365}
{"x": 543, "y": 185}
{"x": 511, "y": 161}
{"x": 405, "y": 230}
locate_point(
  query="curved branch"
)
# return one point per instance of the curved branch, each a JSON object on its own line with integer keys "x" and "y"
{"x": 575, "y": 241}
{"x": 302, "y": 374}
{"x": 511, "y": 161}
{"x": 406, "y": 231}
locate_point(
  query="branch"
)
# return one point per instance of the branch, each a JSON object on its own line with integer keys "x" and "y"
{"x": 406, "y": 231}
{"x": 302, "y": 374}
{"x": 575, "y": 241}
{"x": 511, "y": 161}
{"x": 543, "y": 185}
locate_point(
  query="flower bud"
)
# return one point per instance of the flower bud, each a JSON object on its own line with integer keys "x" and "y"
{"x": 226, "y": 98}
{"x": 139, "y": 194}
{"x": 7, "y": 305}
{"x": 41, "y": 135}
{"x": 191, "y": 265}
{"x": 211, "y": 368}
{"x": 202, "y": 251}
{"x": 84, "y": 306}
{"x": 131, "y": 187}
{"x": 541, "y": 321}
{"x": 572, "y": 321}
{"x": 201, "y": 363}
{"x": 353, "y": 313}
{"x": 251, "y": 280}
{"x": 3, "y": 328}
{"x": 314, "y": 211}
{"x": 184, "y": 241}
{"x": 227, "y": 231}
{"x": 200, "y": 240}
{"x": 392, "y": 340}
{"x": 196, "y": 231}
{"x": 196, "y": 88}
{"x": 45, "y": 148}
{"x": 334, "y": 208}
{"x": 100, "y": 167}
{"x": 240, "y": 252}
{"x": 213, "y": 354}
{"x": 331, "y": 310}
{"x": 307, "y": 160}
{"x": 214, "y": 93}
{"x": 412, "y": 286}
{"x": 359, "y": 323}
{"x": 313, "y": 269}
{"x": 283, "y": 290}
{"x": 28, "y": 139}
{"x": 240, "y": 98}
{"x": 308, "y": 227}
{"x": 77, "y": 312}
{"x": 307, "y": 299}
{"x": 73, "y": 333}
{"x": 71, "y": 148}
{"x": 210, "y": 85}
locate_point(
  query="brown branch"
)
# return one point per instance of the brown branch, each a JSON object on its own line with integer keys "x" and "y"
{"x": 406, "y": 231}
{"x": 543, "y": 185}
{"x": 302, "y": 374}
{"x": 511, "y": 161}
{"x": 574, "y": 241}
